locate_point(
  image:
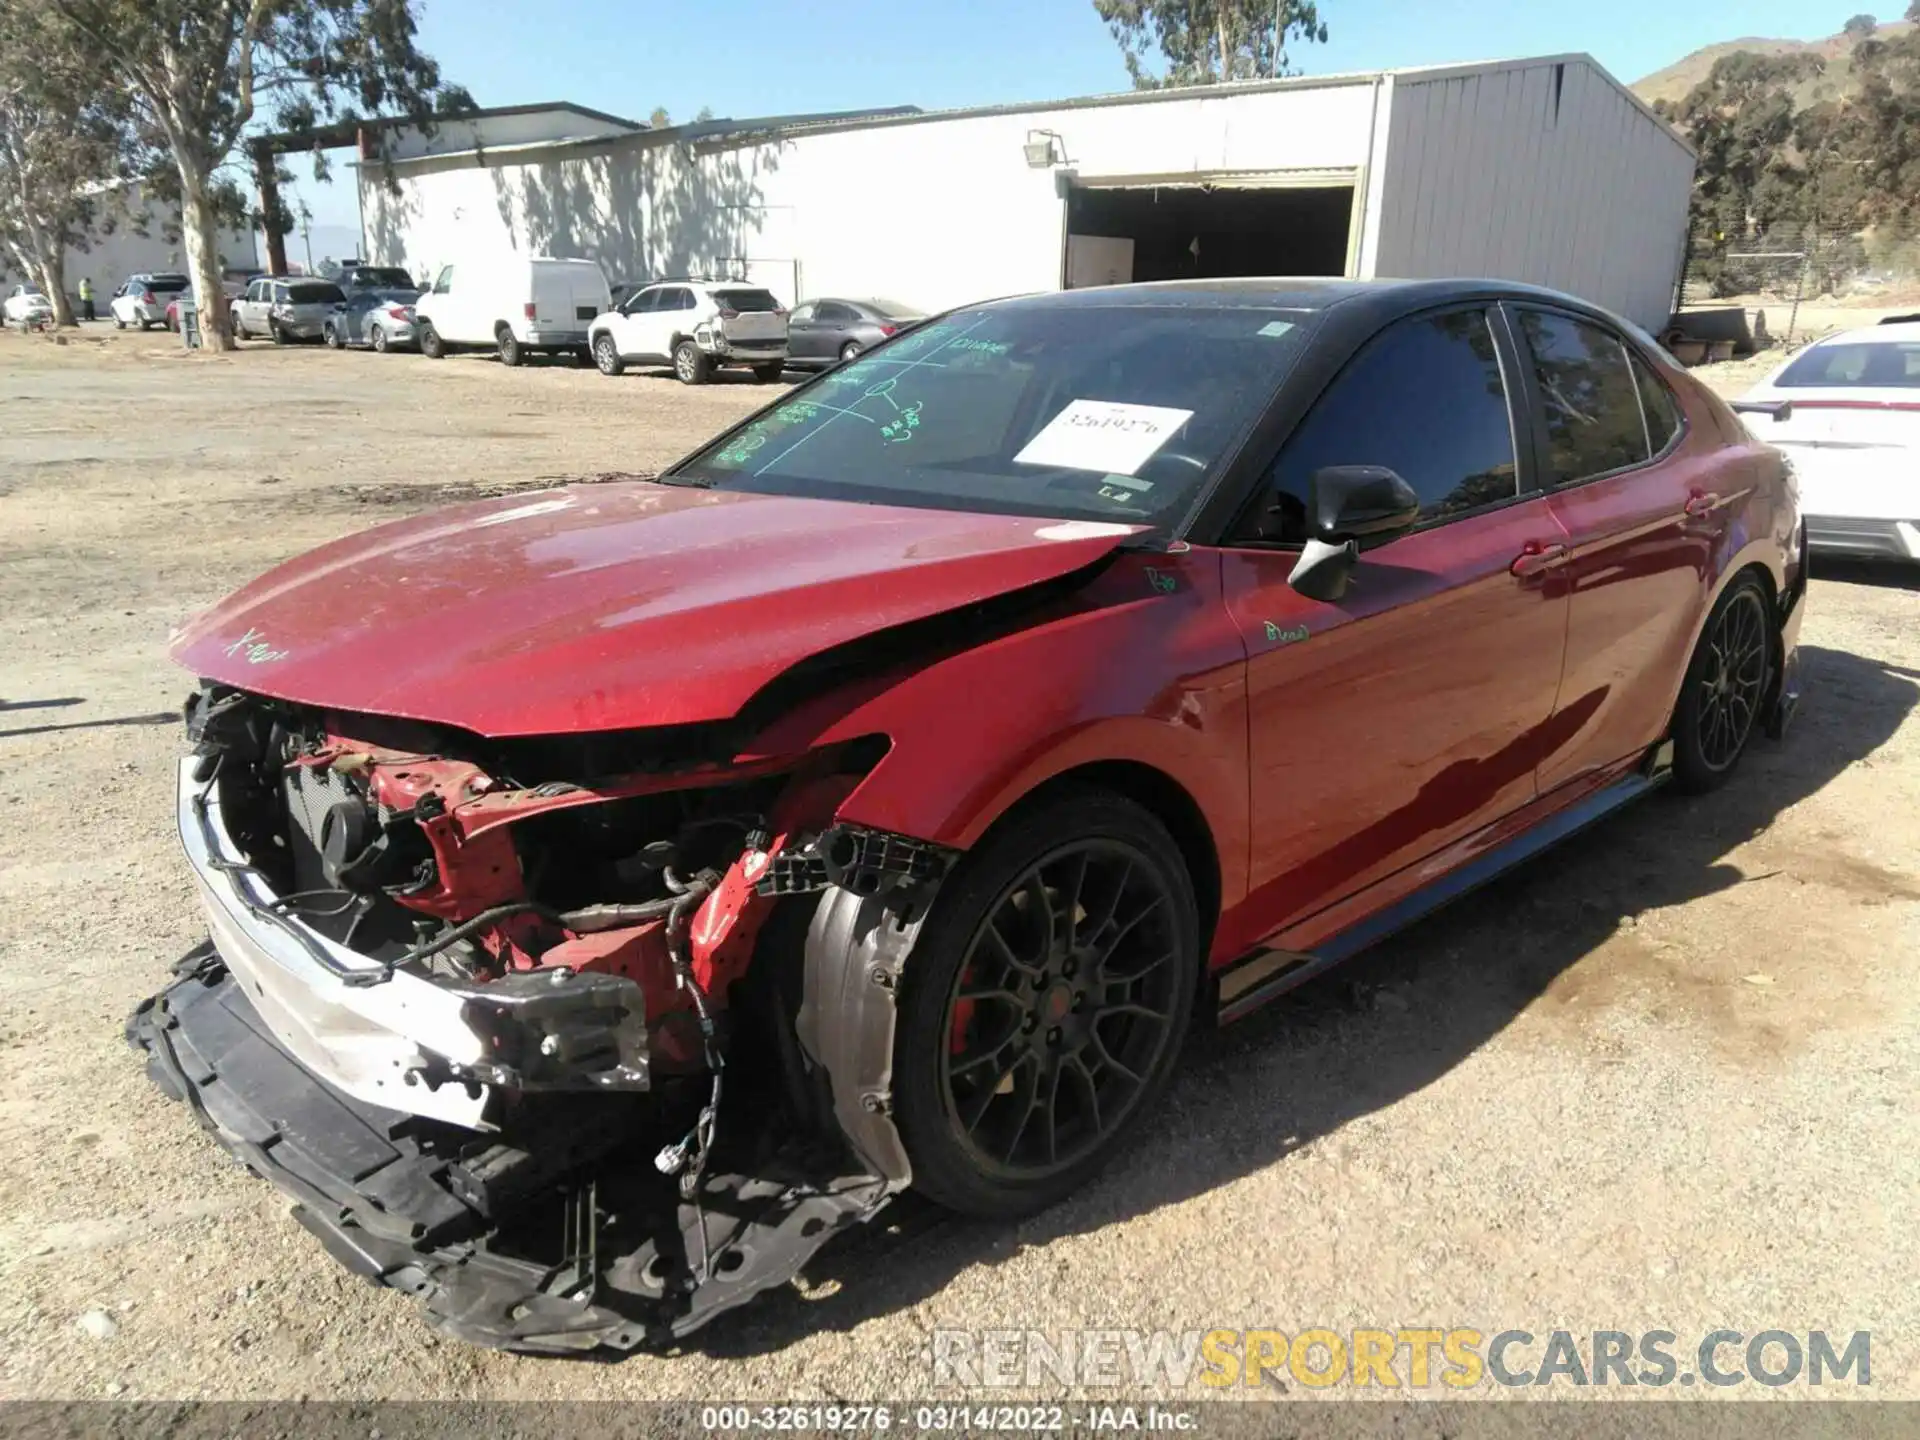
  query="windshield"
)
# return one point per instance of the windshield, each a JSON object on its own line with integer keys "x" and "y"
{"x": 1117, "y": 412}
{"x": 893, "y": 309}
{"x": 1894, "y": 364}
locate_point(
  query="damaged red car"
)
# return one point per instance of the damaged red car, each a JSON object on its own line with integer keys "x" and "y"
{"x": 617, "y": 891}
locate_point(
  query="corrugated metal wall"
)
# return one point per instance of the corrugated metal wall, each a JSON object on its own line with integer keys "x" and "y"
{"x": 1544, "y": 172}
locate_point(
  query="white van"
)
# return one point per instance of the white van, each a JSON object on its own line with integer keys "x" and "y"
{"x": 511, "y": 305}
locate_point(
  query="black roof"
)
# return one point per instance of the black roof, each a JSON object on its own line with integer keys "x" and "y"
{"x": 1288, "y": 293}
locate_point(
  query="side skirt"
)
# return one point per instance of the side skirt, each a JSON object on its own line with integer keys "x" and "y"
{"x": 1267, "y": 974}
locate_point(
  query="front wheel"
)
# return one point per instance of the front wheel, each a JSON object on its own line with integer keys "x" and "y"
{"x": 239, "y": 324}
{"x": 690, "y": 363}
{"x": 606, "y": 356}
{"x": 275, "y": 333}
{"x": 1044, "y": 1004}
{"x": 332, "y": 336}
{"x": 431, "y": 345}
{"x": 771, "y": 371}
{"x": 507, "y": 346}
{"x": 1727, "y": 683}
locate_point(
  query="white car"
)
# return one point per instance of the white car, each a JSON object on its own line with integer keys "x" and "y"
{"x": 511, "y": 305}
{"x": 142, "y": 299}
{"x": 696, "y": 326}
{"x": 27, "y": 305}
{"x": 1846, "y": 410}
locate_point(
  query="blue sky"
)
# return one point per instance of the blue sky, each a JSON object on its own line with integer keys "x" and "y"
{"x": 764, "y": 57}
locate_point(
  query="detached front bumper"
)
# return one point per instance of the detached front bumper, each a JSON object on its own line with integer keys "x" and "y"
{"x": 402, "y": 1202}
{"x": 394, "y": 1039}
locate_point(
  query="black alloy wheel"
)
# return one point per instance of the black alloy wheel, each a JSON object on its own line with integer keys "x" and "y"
{"x": 1044, "y": 1004}
{"x": 1726, "y": 687}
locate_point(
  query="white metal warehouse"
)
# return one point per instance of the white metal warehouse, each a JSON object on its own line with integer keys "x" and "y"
{"x": 1546, "y": 170}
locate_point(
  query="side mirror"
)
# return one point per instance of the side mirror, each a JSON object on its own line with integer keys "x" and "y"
{"x": 1355, "y": 507}
{"x": 1775, "y": 410}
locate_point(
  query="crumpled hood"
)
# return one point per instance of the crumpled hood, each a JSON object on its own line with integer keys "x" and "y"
{"x": 610, "y": 606}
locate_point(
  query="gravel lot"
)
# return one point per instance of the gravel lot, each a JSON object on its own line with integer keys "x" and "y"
{"x": 1663, "y": 1079}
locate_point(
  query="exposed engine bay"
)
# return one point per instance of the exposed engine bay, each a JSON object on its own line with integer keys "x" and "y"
{"x": 582, "y": 1040}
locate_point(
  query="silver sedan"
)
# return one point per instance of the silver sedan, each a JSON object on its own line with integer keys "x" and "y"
{"x": 380, "y": 318}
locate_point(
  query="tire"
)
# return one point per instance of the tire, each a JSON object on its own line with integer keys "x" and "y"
{"x": 331, "y": 334}
{"x": 239, "y": 325}
{"x": 118, "y": 323}
{"x": 851, "y": 350}
{"x": 1038, "y": 1020}
{"x": 1726, "y": 687}
{"x": 606, "y": 355}
{"x": 690, "y": 364}
{"x": 770, "y": 372}
{"x": 507, "y": 347}
{"x": 431, "y": 345}
{"x": 274, "y": 332}
{"x": 377, "y": 337}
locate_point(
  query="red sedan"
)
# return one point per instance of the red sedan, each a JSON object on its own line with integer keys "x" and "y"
{"x": 616, "y": 891}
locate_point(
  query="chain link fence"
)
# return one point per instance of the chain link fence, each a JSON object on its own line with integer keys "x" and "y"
{"x": 1790, "y": 265}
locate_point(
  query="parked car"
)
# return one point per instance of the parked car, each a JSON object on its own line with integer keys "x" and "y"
{"x": 380, "y": 318}
{"x": 27, "y": 305}
{"x": 697, "y": 327}
{"x": 827, "y": 331}
{"x": 285, "y": 308}
{"x": 234, "y": 280}
{"x": 142, "y": 299}
{"x": 921, "y": 754}
{"x": 376, "y": 277}
{"x": 1846, "y": 409}
{"x": 511, "y": 306}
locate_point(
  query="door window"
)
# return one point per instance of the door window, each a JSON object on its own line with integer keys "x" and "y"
{"x": 644, "y": 303}
{"x": 443, "y": 284}
{"x": 678, "y": 298}
{"x": 832, "y": 314}
{"x": 1426, "y": 399}
{"x": 802, "y": 315}
{"x": 1588, "y": 394}
{"x": 1658, "y": 405}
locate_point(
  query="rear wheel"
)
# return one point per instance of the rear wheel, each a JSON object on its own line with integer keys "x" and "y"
{"x": 766, "y": 374}
{"x": 431, "y": 345}
{"x": 606, "y": 355}
{"x": 690, "y": 364}
{"x": 279, "y": 336}
{"x": 377, "y": 337}
{"x": 507, "y": 346}
{"x": 1044, "y": 1004}
{"x": 1727, "y": 684}
{"x": 331, "y": 334}
{"x": 851, "y": 350}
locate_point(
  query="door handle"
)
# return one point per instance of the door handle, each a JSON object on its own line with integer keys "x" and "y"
{"x": 1699, "y": 502}
{"x": 1538, "y": 555}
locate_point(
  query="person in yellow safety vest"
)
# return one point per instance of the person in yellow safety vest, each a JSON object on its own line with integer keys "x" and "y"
{"x": 86, "y": 297}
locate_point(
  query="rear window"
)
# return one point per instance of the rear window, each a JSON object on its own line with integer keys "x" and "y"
{"x": 379, "y": 276}
{"x": 1895, "y": 365}
{"x": 747, "y": 301}
{"x": 168, "y": 282}
{"x": 893, "y": 309}
{"x": 315, "y": 293}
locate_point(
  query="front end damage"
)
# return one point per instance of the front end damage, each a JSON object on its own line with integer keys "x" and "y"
{"x": 581, "y": 1041}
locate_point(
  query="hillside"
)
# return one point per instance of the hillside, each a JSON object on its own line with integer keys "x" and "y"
{"x": 1678, "y": 78}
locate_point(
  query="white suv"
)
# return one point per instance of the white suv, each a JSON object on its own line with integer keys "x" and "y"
{"x": 696, "y": 326}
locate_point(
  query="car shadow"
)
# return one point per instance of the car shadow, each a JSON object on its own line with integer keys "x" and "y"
{"x": 1380, "y": 1028}
{"x": 158, "y": 717}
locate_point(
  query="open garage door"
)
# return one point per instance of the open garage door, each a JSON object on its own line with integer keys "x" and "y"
{"x": 1209, "y": 228}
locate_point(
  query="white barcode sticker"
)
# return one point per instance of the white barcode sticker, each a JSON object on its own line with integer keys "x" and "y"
{"x": 1104, "y": 435}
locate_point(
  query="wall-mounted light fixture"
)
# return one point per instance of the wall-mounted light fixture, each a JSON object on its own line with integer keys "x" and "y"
{"x": 1044, "y": 148}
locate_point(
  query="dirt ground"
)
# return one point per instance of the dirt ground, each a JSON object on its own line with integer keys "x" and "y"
{"x": 1661, "y": 1080}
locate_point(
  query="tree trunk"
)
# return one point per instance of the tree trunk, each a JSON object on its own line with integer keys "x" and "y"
{"x": 197, "y": 228}
{"x": 52, "y": 275}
